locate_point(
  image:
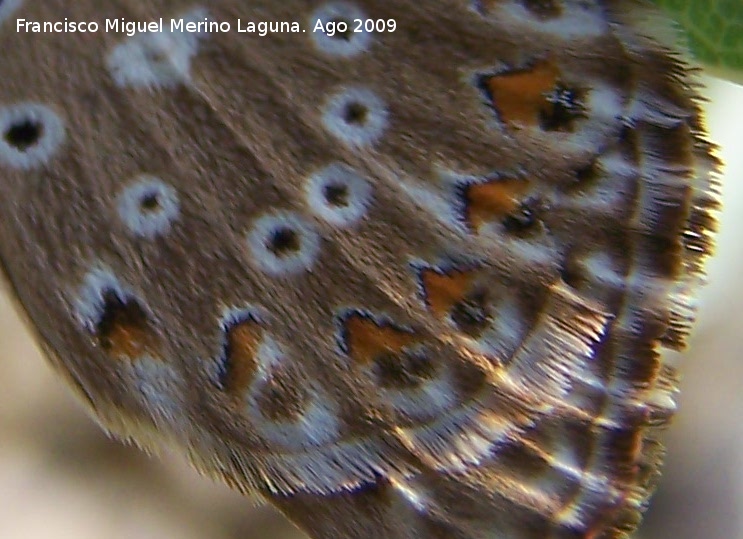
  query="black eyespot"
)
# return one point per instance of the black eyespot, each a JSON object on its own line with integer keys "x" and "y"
{"x": 356, "y": 116}
{"x": 31, "y": 134}
{"x": 336, "y": 194}
{"x": 150, "y": 202}
{"x": 472, "y": 315}
{"x": 356, "y": 113}
{"x": 283, "y": 241}
{"x": 148, "y": 206}
{"x": 23, "y": 134}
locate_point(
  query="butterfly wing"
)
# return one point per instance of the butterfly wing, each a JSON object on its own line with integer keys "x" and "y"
{"x": 403, "y": 283}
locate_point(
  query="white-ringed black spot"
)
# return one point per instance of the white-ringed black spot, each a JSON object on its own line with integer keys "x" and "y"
{"x": 338, "y": 194}
{"x": 148, "y": 206}
{"x": 150, "y": 202}
{"x": 283, "y": 243}
{"x": 356, "y": 116}
{"x": 30, "y": 135}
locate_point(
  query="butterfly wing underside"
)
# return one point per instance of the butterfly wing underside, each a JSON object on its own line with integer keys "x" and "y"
{"x": 402, "y": 283}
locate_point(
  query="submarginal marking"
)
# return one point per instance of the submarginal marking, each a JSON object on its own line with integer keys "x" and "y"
{"x": 30, "y": 135}
{"x": 283, "y": 243}
{"x": 317, "y": 424}
{"x": 442, "y": 290}
{"x": 471, "y": 314}
{"x": 286, "y": 408}
{"x": 454, "y": 296}
{"x": 491, "y": 200}
{"x": 148, "y": 206}
{"x": 491, "y": 318}
{"x": 338, "y": 194}
{"x": 409, "y": 368}
{"x": 366, "y": 338}
{"x": 344, "y": 44}
{"x": 123, "y": 329}
{"x": 522, "y": 96}
{"x": 117, "y": 320}
{"x": 243, "y": 333}
{"x": 159, "y": 59}
{"x": 412, "y": 381}
{"x": 282, "y": 397}
{"x": 356, "y": 116}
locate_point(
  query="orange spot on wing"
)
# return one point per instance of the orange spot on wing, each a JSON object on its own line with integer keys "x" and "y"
{"x": 443, "y": 291}
{"x": 521, "y": 96}
{"x": 366, "y": 339}
{"x": 243, "y": 340}
{"x": 492, "y": 200}
{"x": 131, "y": 341}
{"x": 124, "y": 330}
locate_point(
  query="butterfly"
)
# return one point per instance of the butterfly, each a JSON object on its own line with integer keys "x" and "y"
{"x": 402, "y": 269}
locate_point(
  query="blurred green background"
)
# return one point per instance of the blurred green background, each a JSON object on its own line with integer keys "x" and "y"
{"x": 714, "y": 29}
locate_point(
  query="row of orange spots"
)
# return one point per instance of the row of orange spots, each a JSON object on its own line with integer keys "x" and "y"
{"x": 241, "y": 351}
{"x": 367, "y": 340}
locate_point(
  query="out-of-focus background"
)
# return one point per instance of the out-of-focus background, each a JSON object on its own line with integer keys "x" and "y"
{"x": 61, "y": 478}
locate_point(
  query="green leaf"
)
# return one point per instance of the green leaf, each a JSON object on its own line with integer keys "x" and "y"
{"x": 715, "y": 32}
